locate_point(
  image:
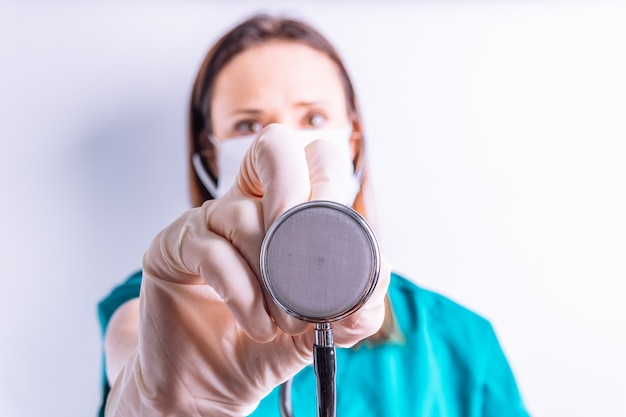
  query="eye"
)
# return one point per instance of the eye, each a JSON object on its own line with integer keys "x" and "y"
{"x": 315, "y": 119}
{"x": 246, "y": 127}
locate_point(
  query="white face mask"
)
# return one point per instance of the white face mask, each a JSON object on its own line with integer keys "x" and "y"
{"x": 232, "y": 152}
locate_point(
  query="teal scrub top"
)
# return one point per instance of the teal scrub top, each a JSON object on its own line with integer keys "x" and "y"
{"x": 448, "y": 362}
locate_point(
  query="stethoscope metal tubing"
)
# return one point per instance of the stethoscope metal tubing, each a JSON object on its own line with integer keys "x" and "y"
{"x": 325, "y": 365}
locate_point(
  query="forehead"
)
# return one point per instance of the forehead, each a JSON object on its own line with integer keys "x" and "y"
{"x": 279, "y": 71}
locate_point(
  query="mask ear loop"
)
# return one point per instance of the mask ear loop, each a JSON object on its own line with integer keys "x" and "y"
{"x": 203, "y": 175}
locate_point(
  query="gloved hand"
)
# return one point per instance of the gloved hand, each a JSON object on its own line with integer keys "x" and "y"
{"x": 210, "y": 342}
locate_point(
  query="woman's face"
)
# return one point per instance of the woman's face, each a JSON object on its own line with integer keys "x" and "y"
{"x": 278, "y": 82}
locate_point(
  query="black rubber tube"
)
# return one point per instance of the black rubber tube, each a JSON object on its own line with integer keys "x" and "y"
{"x": 325, "y": 365}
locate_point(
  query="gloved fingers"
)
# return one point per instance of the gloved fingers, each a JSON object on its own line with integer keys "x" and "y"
{"x": 327, "y": 171}
{"x": 283, "y": 173}
{"x": 237, "y": 284}
{"x": 275, "y": 169}
{"x": 240, "y": 222}
{"x": 189, "y": 252}
{"x": 247, "y": 238}
{"x": 369, "y": 318}
{"x": 288, "y": 324}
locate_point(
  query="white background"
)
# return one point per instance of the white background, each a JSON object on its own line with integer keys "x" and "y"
{"x": 496, "y": 136}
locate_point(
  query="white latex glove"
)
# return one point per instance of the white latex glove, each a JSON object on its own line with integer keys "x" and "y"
{"x": 210, "y": 342}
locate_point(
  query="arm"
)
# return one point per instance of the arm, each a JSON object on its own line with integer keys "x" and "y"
{"x": 120, "y": 339}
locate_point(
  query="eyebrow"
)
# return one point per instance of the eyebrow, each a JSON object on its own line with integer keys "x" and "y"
{"x": 310, "y": 103}
{"x": 248, "y": 112}
{"x": 256, "y": 112}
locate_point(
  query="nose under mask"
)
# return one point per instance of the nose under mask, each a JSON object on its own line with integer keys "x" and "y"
{"x": 231, "y": 153}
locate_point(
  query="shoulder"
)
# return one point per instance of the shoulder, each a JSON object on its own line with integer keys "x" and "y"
{"x": 424, "y": 313}
{"x": 449, "y": 355}
{"x": 451, "y": 336}
{"x": 409, "y": 295}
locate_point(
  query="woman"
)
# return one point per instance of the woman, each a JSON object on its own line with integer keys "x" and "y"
{"x": 203, "y": 339}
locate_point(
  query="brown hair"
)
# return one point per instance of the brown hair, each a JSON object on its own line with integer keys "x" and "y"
{"x": 254, "y": 31}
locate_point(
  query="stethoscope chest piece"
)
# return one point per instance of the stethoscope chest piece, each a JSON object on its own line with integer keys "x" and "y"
{"x": 320, "y": 263}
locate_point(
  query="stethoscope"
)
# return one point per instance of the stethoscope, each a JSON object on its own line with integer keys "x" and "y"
{"x": 320, "y": 263}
